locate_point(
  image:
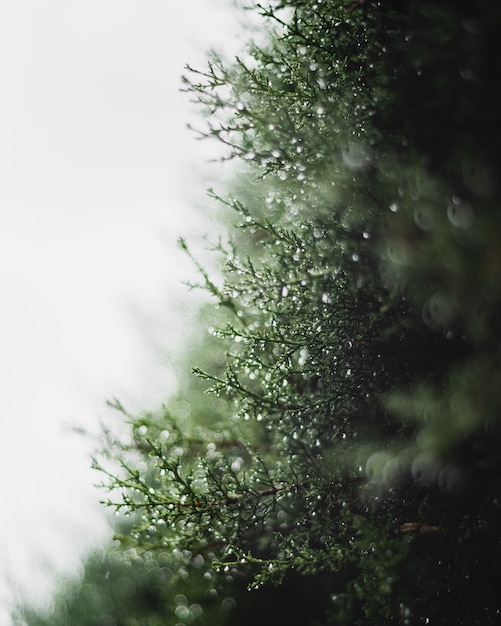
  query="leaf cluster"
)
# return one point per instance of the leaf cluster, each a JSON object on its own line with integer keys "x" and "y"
{"x": 345, "y": 445}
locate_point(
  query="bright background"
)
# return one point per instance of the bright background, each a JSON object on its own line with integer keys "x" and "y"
{"x": 98, "y": 179}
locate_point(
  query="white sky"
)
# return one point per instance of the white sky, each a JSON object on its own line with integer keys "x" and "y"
{"x": 98, "y": 179}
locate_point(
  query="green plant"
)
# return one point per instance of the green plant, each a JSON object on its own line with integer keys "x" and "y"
{"x": 350, "y": 445}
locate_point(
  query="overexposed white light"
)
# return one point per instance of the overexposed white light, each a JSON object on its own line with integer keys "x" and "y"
{"x": 98, "y": 179}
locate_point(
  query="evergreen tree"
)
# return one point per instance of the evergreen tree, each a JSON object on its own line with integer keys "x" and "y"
{"x": 346, "y": 464}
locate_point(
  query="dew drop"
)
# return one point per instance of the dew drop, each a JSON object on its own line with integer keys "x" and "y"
{"x": 460, "y": 213}
{"x": 423, "y": 216}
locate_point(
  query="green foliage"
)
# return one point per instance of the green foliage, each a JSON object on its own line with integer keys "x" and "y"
{"x": 360, "y": 290}
{"x": 345, "y": 455}
{"x": 124, "y": 588}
